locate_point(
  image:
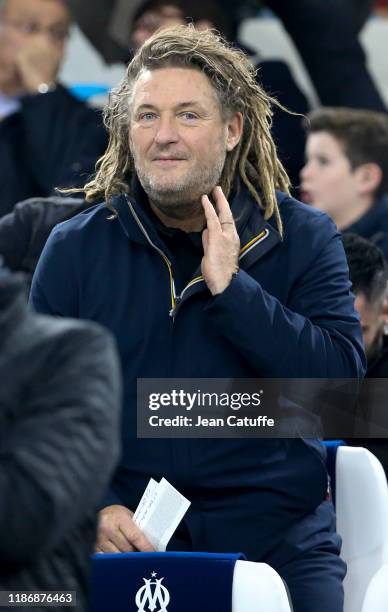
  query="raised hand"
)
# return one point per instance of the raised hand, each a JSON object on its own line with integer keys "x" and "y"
{"x": 221, "y": 243}
{"x": 38, "y": 62}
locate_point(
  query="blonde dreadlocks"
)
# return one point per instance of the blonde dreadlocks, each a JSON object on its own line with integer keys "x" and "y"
{"x": 234, "y": 80}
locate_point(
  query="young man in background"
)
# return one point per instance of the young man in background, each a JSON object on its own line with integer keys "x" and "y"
{"x": 346, "y": 170}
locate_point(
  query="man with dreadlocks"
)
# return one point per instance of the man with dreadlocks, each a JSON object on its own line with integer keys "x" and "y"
{"x": 254, "y": 286}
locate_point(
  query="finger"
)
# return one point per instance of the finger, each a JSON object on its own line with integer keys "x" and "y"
{"x": 120, "y": 541}
{"x": 108, "y": 547}
{"x": 98, "y": 551}
{"x": 111, "y": 533}
{"x": 205, "y": 239}
{"x": 212, "y": 221}
{"x": 136, "y": 538}
{"x": 224, "y": 213}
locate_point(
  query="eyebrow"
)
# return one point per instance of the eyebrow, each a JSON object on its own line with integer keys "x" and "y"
{"x": 180, "y": 106}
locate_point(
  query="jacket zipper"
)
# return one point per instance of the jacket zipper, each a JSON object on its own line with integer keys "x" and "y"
{"x": 253, "y": 243}
{"x": 176, "y": 299}
{"x": 244, "y": 250}
{"x": 179, "y": 298}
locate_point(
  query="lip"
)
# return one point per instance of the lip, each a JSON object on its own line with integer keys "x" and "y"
{"x": 305, "y": 196}
{"x": 167, "y": 161}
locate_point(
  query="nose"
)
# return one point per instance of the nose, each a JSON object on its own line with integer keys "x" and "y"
{"x": 167, "y": 131}
{"x": 306, "y": 171}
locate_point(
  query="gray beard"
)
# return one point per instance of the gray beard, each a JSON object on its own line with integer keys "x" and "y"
{"x": 184, "y": 200}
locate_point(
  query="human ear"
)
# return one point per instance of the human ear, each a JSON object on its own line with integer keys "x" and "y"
{"x": 235, "y": 129}
{"x": 369, "y": 178}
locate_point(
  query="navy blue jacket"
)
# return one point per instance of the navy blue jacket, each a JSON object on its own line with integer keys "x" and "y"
{"x": 54, "y": 140}
{"x": 374, "y": 224}
{"x": 287, "y": 313}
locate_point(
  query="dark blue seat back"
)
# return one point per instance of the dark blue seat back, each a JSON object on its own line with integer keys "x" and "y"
{"x": 131, "y": 582}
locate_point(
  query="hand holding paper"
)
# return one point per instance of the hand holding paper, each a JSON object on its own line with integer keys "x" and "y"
{"x": 159, "y": 512}
{"x": 118, "y": 533}
{"x": 157, "y": 516}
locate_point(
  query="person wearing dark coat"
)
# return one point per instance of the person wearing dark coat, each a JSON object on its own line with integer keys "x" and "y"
{"x": 54, "y": 140}
{"x": 373, "y": 225}
{"x": 346, "y": 170}
{"x": 368, "y": 272}
{"x": 255, "y": 285}
{"x": 24, "y": 231}
{"x": 325, "y": 33}
{"x": 48, "y": 138}
{"x": 287, "y": 129}
{"x": 59, "y": 442}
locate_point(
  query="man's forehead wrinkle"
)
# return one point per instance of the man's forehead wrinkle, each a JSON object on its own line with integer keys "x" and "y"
{"x": 193, "y": 104}
{"x": 144, "y": 95}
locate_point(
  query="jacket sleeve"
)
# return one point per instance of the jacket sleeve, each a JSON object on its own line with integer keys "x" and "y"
{"x": 55, "y": 284}
{"x": 15, "y": 233}
{"x": 55, "y": 290}
{"x": 56, "y": 460}
{"x": 317, "y": 334}
{"x": 63, "y": 139}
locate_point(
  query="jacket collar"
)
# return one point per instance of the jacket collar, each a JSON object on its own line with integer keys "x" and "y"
{"x": 140, "y": 224}
{"x": 257, "y": 236}
{"x": 374, "y": 220}
{"x": 136, "y": 217}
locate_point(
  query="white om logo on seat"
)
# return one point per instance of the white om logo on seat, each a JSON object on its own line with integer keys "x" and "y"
{"x": 152, "y": 596}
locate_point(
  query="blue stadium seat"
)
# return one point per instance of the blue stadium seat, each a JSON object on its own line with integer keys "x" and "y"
{"x": 177, "y": 582}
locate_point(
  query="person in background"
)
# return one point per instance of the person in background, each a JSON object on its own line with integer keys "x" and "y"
{"x": 60, "y": 405}
{"x": 346, "y": 170}
{"x": 153, "y": 15}
{"x": 321, "y": 29}
{"x": 24, "y": 231}
{"x": 48, "y": 138}
{"x": 324, "y": 29}
{"x": 250, "y": 284}
{"x": 368, "y": 272}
